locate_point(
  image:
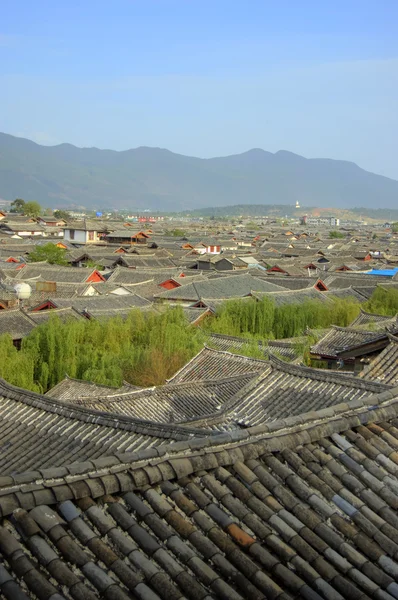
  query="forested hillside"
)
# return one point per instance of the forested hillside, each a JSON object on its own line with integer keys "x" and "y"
{"x": 157, "y": 179}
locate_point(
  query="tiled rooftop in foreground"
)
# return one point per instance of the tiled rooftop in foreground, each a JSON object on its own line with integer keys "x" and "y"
{"x": 304, "y": 508}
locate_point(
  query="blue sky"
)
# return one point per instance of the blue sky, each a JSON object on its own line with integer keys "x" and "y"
{"x": 205, "y": 78}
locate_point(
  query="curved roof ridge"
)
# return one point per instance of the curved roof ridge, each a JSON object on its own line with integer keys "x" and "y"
{"x": 370, "y": 314}
{"x": 320, "y": 374}
{"x": 351, "y": 329}
{"x": 234, "y": 337}
{"x": 74, "y": 411}
{"x": 214, "y": 351}
{"x": 283, "y": 343}
{"x": 235, "y": 354}
{"x": 166, "y": 387}
{"x": 181, "y": 458}
{"x": 295, "y": 370}
{"x": 364, "y": 313}
{"x": 186, "y": 364}
{"x": 85, "y": 381}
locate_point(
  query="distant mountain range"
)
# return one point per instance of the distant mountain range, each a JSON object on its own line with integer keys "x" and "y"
{"x": 157, "y": 179}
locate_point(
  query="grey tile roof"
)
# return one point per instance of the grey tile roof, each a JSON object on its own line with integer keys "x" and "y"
{"x": 195, "y": 314}
{"x": 45, "y": 272}
{"x": 63, "y": 291}
{"x": 284, "y": 390}
{"x": 285, "y": 348}
{"x": 303, "y": 509}
{"x": 65, "y": 314}
{"x": 347, "y": 279}
{"x": 214, "y": 303}
{"x": 7, "y": 291}
{"x": 294, "y": 283}
{"x": 37, "y": 432}
{"x": 384, "y": 367}
{"x": 364, "y": 318}
{"x": 123, "y": 275}
{"x": 281, "y": 298}
{"x": 71, "y": 389}
{"x": 365, "y": 291}
{"x": 215, "y": 364}
{"x": 88, "y": 225}
{"x": 172, "y": 403}
{"x": 103, "y": 302}
{"x": 125, "y": 233}
{"x": 24, "y": 226}
{"x": 108, "y": 313}
{"x": 349, "y": 293}
{"x": 146, "y": 262}
{"x": 222, "y": 287}
{"x": 340, "y": 339}
{"x": 291, "y": 269}
{"x": 16, "y": 323}
{"x": 8, "y": 270}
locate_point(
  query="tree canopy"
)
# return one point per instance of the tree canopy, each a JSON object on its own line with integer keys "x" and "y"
{"x": 336, "y": 234}
{"x": 144, "y": 349}
{"x": 263, "y": 319}
{"x": 175, "y": 232}
{"x": 18, "y": 205}
{"x": 32, "y": 209}
{"x": 383, "y": 302}
{"x": 50, "y": 253}
{"x": 147, "y": 348}
{"x": 61, "y": 214}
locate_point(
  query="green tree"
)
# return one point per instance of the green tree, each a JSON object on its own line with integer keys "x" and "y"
{"x": 383, "y": 302}
{"x": 175, "y": 232}
{"x": 251, "y": 318}
{"x": 61, "y": 214}
{"x": 93, "y": 265}
{"x": 32, "y": 209}
{"x": 253, "y": 225}
{"x": 394, "y": 227}
{"x": 336, "y": 234}
{"x": 49, "y": 253}
{"x": 18, "y": 205}
{"x": 144, "y": 349}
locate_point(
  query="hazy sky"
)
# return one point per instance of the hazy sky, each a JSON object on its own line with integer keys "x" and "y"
{"x": 205, "y": 77}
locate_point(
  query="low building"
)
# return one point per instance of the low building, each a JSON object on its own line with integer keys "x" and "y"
{"x": 84, "y": 232}
{"x": 127, "y": 236}
{"x": 316, "y": 221}
{"x": 51, "y": 221}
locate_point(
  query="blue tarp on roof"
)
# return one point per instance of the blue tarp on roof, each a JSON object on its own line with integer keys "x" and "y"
{"x": 385, "y": 272}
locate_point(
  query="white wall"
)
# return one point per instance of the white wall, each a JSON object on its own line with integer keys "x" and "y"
{"x": 26, "y": 233}
{"x": 80, "y": 236}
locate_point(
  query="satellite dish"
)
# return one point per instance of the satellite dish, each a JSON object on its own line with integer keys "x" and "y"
{"x": 23, "y": 291}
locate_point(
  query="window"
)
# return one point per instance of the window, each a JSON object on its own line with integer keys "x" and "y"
{"x": 91, "y": 236}
{"x": 71, "y": 234}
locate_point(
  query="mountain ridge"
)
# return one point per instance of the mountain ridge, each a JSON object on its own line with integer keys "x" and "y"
{"x": 159, "y": 179}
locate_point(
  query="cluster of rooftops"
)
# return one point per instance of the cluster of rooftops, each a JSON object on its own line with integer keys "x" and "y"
{"x": 152, "y": 268}
{"x": 237, "y": 478}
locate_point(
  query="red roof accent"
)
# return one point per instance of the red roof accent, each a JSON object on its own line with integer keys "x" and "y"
{"x": 169, "y": 284}
{"x": 95, "y": 277}
{"x": 44, "y": 306}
